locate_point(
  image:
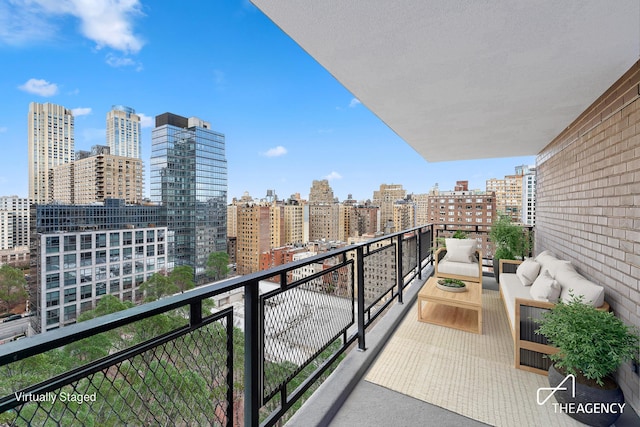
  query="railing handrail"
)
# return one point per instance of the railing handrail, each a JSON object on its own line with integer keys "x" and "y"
{"x": 18, "y": 350}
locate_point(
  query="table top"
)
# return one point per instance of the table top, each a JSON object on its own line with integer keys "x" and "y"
{"x": 472, "y": 297}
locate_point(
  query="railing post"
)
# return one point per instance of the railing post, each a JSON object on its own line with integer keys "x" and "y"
{"x": 419, "y": 252}
{"x": 360, "y": 293}
{"x": 400, "y": 278}
{"x": 195, "y": 313}
{"x": 252, "y": 353}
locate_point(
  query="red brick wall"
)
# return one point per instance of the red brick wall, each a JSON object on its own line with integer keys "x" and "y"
{"x": 588, "y": 202}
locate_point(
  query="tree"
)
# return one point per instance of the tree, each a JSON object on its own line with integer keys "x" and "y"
{"x": 218, "y": 265}
{"x": 182, "y": 278}
{"x": 157, "y": 286}
{"x": 12, "y": 286}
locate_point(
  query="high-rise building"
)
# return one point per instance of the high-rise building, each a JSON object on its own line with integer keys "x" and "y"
{"x": 50, "y": 142}
{"x": 323, "y": 212}
{"x": 404, "y": 215}
{"x": 508, "y": 194}
{"x": 97, "y": 176}
{"x": 189, "y": 178}
{"x": 14, "y": 222}
{"x": 529, "y": 196}
{"x": 422, "y": 208}
{"x": 469, "y": 211}
{"x": 254, "y": 236}
{"x": 123, "y": 131}
{"x": 385, "y": 199}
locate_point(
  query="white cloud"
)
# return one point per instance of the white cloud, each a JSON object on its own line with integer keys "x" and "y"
{"x": 39, "y": 87}
{"x": 276, "y": 151}
{"x": 123, "y": 61}
{"x": 333, "y": 176}
{"x": 81, "y": 111}
{"x": 109, "y": 23}
{"x": 354, "y": 102}
{"x": 145, "y": 121}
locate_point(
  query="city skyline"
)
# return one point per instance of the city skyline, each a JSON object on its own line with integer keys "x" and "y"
{"x": 287, "y": 121}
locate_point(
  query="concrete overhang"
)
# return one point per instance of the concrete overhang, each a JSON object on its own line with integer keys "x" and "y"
{"x": 468, "y": 79}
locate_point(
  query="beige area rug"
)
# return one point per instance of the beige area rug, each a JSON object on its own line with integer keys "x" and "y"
{"x": 466, "y": 373}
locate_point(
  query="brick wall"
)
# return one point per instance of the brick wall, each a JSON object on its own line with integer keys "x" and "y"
{"x": 588, "y": 202}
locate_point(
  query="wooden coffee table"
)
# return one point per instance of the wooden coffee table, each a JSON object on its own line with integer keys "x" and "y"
{"x": 458, "y": 310}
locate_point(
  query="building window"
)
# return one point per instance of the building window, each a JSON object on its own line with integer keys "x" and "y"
{"x": 101, "y": 288}
{"x": 139, "y": 237}
{"x": 101, "y": 257}
{"x": 85, "y": 275}
{"x": 127, "y": 268}
{"x": 150, "y": 250}
{"x": 114, "y": 239}
{"x": 53, "y": 316}
{"x": 114, "y": 271}
{"x": 85, "y": 259}
{"x": 53, "y": 281}
{"x": 69, "y": 261}
{"x": 150, "y": 236}
{"x": 85, "y": 306}
{"x": 53, "y": 245}
{"x": 101, "y": 273}
{"x": 101, "y": 240}
{"x": 53, "y": 298}
{"x": 139, "y": 252}
{"x": 69, "y": 313}
{"x": 85, "y": 291}
{"x": 69, "y": 278}
{"x": 114, "y": 286}
{"x": 150, "y": 264}
{"x": 70, "y": 295}
{"x": 86, "y": 241}
{"x": 69, "y": 243}
{"x": 126, "y": 253}
{"x": 114, "y": 255}
{"x": 53, "y": 263}
{"x": 127, "y": 283}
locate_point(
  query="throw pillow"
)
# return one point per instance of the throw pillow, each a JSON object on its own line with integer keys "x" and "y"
{"x": 528, "y": 271}
{"x": 460, "y": 250}
{"x": 574, "y": 284}
{"x": 545, "y": 288}
{"x": 545, "y": 258}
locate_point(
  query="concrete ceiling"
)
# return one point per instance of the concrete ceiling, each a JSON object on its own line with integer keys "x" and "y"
{"x": 468, "y": 79}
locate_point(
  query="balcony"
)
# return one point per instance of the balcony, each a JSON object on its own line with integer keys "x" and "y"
{"x": 176, "y": 361}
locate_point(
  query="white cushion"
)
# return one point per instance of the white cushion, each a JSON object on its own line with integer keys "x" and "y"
{"x": 512, "y": 288}
{"x": 544, "y": 258}
{"x": 573, "y": 283}
{"x": 528, "y": 271}
{"x": 460, "y": 250}
{"x": 545, "y": 288}
{"x": 458, "y": 268}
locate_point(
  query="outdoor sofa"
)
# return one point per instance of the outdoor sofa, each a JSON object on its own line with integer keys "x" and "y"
{"x": 529, "y": 288}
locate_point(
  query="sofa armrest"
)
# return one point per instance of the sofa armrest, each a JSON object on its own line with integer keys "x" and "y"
{"x": 440, "y": 253}
{"x": 509, "y": 265}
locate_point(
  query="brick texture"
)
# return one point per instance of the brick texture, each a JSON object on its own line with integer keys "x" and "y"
{"x": 588, "y": 202}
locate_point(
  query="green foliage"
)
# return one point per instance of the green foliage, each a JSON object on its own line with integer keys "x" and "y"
{"x": 182, "y": 278}
{"x": 459, "y": 234}
{"x": 218, "y": 265}
{"x": 452, "y": 283}
{"x": 510, "y": 240}
{"x": 589, "y": 341}
{"x": 12, "y": 286}
{"x": 157, "y": 286}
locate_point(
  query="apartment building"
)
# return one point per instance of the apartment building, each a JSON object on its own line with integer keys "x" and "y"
{"x": 508, "y": 191}
{"x": 124, "y": 132}
{"x": 50, "y": 143}
{"x": 97, "y": 175}
{"x": 14, "y": 222}
{"x": 385, "y": 198}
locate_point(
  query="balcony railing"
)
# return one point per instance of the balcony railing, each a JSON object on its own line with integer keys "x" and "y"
{"x": 173, "y": 362}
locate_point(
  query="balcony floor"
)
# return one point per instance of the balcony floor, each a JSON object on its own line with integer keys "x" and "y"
{"x": 379, "y": 405}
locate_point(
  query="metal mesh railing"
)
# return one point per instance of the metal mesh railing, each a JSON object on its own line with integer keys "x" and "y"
{"x": 380, "y": 274}
{"x": 180, "y": 378}
{"x": 301, "y": 321}
{"x": 409, "y": 257}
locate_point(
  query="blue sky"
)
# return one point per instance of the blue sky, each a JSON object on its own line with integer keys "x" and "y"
{"x": 287, "y": 121}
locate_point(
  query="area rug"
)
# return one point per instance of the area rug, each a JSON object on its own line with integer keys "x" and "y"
{"x": 470, "y": 374}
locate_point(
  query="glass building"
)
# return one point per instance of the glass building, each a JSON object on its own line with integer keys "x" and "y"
{"x": 80, "y": 253}
{"x": 189, "y": 178}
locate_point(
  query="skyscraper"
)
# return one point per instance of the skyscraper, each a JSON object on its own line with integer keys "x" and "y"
{"x": 123, "y": 131}
{"x": 189, "y": 177}
{"x": 50, "y": 142}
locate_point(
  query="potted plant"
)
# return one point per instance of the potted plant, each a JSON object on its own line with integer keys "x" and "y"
{"x": 591, "y": 344}
{"x": 510, "y": 242}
